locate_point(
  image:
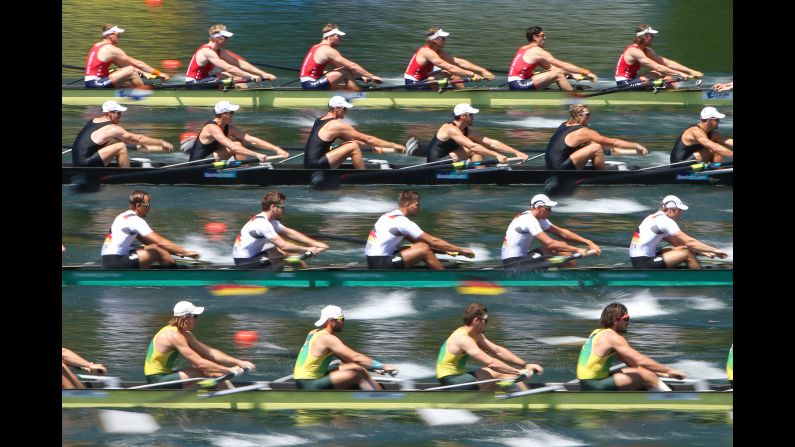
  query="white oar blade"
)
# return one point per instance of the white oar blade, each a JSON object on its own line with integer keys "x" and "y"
{"x": 562, "y": 340}
{"x": 114, "y": 421}
{"x": 434, "y": 417}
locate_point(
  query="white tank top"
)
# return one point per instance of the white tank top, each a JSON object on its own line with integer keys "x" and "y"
{"x": 650, "y": 232}
{"x": 255, "y": 234}
{"x": 387, "y": 233}
{"x": 520, "y": 234}
{"x": 125, "y": 228}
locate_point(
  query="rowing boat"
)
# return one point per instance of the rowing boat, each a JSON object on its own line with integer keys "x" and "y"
{"x": 77, "y": 275}
{"x": 283, "y": 396}
{"x": 478, "y": 97}
{"x": 267, "y": 174}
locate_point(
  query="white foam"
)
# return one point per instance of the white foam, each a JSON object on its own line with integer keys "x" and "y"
{"x": 210, "y": 251}
{"x": 532, "y": 122}
{"x": 380, "y": 307}
{"x": 640, "y": 304}
{"x": 604, "y": 205}
{"x": 414, "y": 371}
{"x": 115, "y": 421}
{"x": 701, "y": 370}
{"x": 435, "y": 416}
{"x": 706, "y": 303}
{"x": 536, "y": 437}
{"x": 350, "y": 204}
{"x": 254, "y": 440}
{"x": 481, "y": 254}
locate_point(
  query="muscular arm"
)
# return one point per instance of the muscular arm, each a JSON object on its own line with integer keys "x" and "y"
{"x": 346, "y": 131}
{"x": 226, "y": 62}
{"x": 507, "y": 356}
{"x": 120, "y": 58}
{"x": 235, "y": 147}
{"x": 445, "y": 62}
{"x": 290, "y": 247}
{"x": 713, "y": 144}
{"x": 195, "y": 352}
{"x": 555, "y": 245}
{"x": 302, "y": 238}
{"x": 344, "y": 353}
{"x": 633, "y": 358}
{"x": 568, "y": 67}
{"x": 338, "y": 60}
{"x": 72, "y": 359}
{"x": 654, "y": 62}
{"x": 254, "y": 141}
{"x": 572, "y": 236}
{"x": 682, "y": 239}
{"x": 620, "y": 147}
{"x": 167, "y": 245}
{"x": 473, "y": 349}
{"x": 502, "y": 147}
{"x": 472, "y": 67}
{"x": 472, "y": 142}
{"x": 117, "y": 132}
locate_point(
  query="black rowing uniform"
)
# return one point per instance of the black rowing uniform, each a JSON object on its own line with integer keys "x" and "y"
{"x": 316, "y": 147}
{"x": 85, "y": 152}
{"x": 681, "y": 152}
{"x": 558, "y": 153}
{"x": 200, "y": 151}
{"x": 439, "y": 149}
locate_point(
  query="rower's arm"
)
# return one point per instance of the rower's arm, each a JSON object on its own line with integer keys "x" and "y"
{"x": 290, "y": 247}
{"x": 349, "y": 133}
{"x": 712, "y": 145}
{"x": 683, "y": 239}
{"x": 297, "y": 236}
{"x": 473, "y": 143}
{"x": 619, "y": 146}
{"x": 572, "y": 236}
{"x": 167, "y": 245}
{"x": 254, "y": 141}
{"x": 253, "y": 69}
{"x": 654, "y": 62}
{"x": 507, "y": 356}
{"x": 475, "y": 350}
{"x": 198, "y": 354}
{"x": 440, "y": 245}
{"x": 677, "y": 66}
{"x": 555, "y": 245}
{"x": 340, "y": 61}
{"x": 73, "y": 359}
{"x": 121, "y": 59}
{"x": 235, "y": 147}
{"x": 442, "y": 62}
{"x": 344, "y": 353}
{"x": 633, "y": 358}
{"x": 120, "y": 133}
{"x": 472, "y": 67}
{"x": 502, "y": 147}
{"x": 566, "y": 66}
{"x": 225, "y": 62}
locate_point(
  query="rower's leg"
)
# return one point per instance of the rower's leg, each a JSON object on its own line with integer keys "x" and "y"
{"x": 152, "y": 253}
{"x": 677, "y": 255}
{"x": 68, "y": 378}
{"x": 349, "y": 374}
{"x": 488, "y": 373}
{"x": 593, "y": 151}
{"x": 124, "y": 74}
{"x": 707, "y": 155}
{"x": 351, "y": 149}
{"x": 542, "y": 80}
{"x": 116, "y": 150}
{"x": 630, "y": 379}
{"x": 420, "y": 251}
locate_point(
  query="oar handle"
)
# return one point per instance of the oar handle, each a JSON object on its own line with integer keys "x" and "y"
{"x": 277, "y": 157}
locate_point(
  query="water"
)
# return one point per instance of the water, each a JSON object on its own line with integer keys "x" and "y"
{"x": 683, "y": 327}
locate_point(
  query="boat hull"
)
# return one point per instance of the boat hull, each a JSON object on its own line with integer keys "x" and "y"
{"x": 489, "y": 98}
{"x": 80, "y": 276}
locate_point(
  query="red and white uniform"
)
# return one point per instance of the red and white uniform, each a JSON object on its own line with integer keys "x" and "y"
{"x": 254, "y": 235}
{"x": 520, "y": 234}
{"x": 650, "y": 232}
{"x": 387, "y": 233}
{"x": 95, "y": 68}
{"x": 625, "y": 71}
{"x": 125, "y": 228}
{"x": 417, "y": 72}
{"x": 311, "y": 70}
{"x": 520, "y": 70}
{"x": 195, "y": 71}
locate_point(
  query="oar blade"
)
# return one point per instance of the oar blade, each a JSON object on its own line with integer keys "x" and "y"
{"x": 115, "y": 421}
{"x": 434, "y": 417}
{"x": 237, "y": 290}
{"x": 486, "y": 288}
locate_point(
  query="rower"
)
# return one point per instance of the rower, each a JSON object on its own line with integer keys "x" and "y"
{"x": 470, "y": 340}
{"x": 382, "y": 250}
{"x": 130, "y": 225}
{"x": 702, "y": 141}
{"x": 459, "y": 141}
{"x": 662, "y": 226}
{"x": 431, "y": 62}
{"x": 213, "y": 54}
{"x": 102, "y": 139}
{"x": 259, "y": 245}
{"x": 640, "y": 53}
{"x": 607, "y": 343}
{"x": 534, "y": 223}
{"x": 213, "y": 139}
{"x": 521, "y": 76}
{"x": 343, "y": 75}
{"x": 70, "y": 358}
{"x": 177, "y": 338}
{"x": 106, "y": 52}
{"x": 573, "y": 144}
{"x": 328, "y": 128}
{"x": 311, "y": 371}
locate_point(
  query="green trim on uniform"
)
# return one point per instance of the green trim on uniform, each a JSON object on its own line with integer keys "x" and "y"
{"x": 158, "y": 378}
{"x": 606, "y": 384}
{"x": 323, "y": 383}
{"x": 456, "y": 379}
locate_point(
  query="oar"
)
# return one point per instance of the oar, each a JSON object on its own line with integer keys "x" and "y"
{"x": 543, "y": 389}
{"x": 73, "y": 67}
{"x": 217, "y": 165}
{"x": 282, "y": 67}
{"x": 633, "y": 86}
{"x": 458, "y": 385}
{"x": 172, "y": 382}
{"x": 672, "y": 168}
{"x": 544, "y": 262}
{"x": 263, "y": 259}
{"x": 441, "y": 83}
{"x": 242, "y": 389}
{"x": 294, "y": 156}
{"x": 334, "y": 237}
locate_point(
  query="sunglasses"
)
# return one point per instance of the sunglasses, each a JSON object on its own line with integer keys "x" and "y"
{"x": 548, "y": 208}
{"x": 280, "y": 206}
{"x": 342, "y": 318}
{"x": 144, "y": 204}
{"x": 625, "y": 317}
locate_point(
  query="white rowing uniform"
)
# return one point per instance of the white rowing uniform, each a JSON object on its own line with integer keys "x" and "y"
{"x": 520, "y": 234}
{"x": 387, "y": 233}
{"x": 649, "y": 233}
{"x": 125, "y": 228}
{"x": 255, "y": 236}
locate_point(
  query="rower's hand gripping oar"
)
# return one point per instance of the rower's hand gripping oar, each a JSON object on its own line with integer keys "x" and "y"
{"x": 212, "y": 381}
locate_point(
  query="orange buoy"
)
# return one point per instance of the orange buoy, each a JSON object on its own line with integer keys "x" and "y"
{"x": 184, "y": 136}
{"x": 245, "y": 337}
{"x": 215, "y": 227}
{"x": 170, "y": 64}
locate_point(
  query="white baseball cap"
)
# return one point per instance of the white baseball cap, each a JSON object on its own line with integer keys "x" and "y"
{"x": 113, "y": 30}
{"x": 462, "y": 108}
{"x": 673, "y": 202}
{"x": 338, "y": 101}
{"x": 333, "y": 32}
{"x": 112, "y": 106}
{"x": 225, "y": 106}
{"x": 711, "y": 112}
{"x": 186, "y": 308}
{"x": 648, "y": 30}
{"x": 438, "y": 34}
{"x": 223, "y": 33}
{"x": 541, "y": 200}
{"x": 330, "y": 311}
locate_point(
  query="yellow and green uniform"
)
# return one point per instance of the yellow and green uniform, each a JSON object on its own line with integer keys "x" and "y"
{"x": 159, "y": 362}
{"x": 308, "y": 366}
{"x": 590, "y": 365}
{"x": 730, "y": 365}
{"x": 448, "y": 364}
